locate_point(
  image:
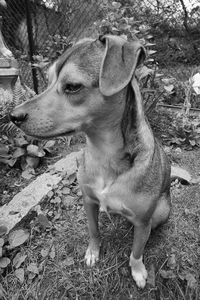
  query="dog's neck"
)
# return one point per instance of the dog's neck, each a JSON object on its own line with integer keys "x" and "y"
{"x": 122, "y": 133}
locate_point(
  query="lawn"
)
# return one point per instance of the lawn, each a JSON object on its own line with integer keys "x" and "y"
{"x": 54, "y": 255}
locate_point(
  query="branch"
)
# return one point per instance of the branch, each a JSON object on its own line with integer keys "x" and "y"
{"x": 185, "y": 20}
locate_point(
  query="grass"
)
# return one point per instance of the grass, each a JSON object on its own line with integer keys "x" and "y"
{"x": 172, "y": 255}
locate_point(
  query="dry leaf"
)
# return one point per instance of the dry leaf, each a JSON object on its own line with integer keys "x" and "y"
{"x": 191, "y": 281}
{"x": 3, "y": 230}
{"x": 68, "y": 201}
{"x": 18, "y": 152}
{"x": 19, "y": 273}
{"x": 44, "y": 252}
{"x": 52, "y": 253}
{"x": 171, "y": 263}
{"x": 18, "y": 260}
{"x": 65, "y": 191}
{"x": 33, "y": 268}
{"x": 72, "y": 178}
{"x": 56, "y": 200}
{"x": 34, "y": 150}
{"x": 69, "y": 261}
{"x": 4, "y": 262}
{"x": 169, "y": 88}
{"x": 28, "y": 173}
{"x": 167, "y": 274}
{"x": 32, "y": 162}
{"x": 43, "y": 221}
{"x": 17, "y": 238}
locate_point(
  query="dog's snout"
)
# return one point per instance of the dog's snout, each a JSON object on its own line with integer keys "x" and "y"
{"x": 18, "y": 117}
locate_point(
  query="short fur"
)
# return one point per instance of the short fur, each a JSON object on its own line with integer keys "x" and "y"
{"x": 93, "y": 88}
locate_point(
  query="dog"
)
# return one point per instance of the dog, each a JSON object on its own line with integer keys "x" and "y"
{"x": 124, "y": 170}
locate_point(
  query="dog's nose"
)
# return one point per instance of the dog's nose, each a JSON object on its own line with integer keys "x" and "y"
{"x": 18, "y": 117}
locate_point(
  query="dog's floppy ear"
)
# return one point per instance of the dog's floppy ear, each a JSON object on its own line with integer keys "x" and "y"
{"x": 51, "y": 74}
{"x": 119, "y": 63}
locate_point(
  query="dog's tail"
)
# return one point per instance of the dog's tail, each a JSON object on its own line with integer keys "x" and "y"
{"x": 182, "y": 175}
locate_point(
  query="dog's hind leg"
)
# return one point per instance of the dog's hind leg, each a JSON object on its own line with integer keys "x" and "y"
{"x": 162, "y": 211}
{"x": 92, "y": 253}
{"x": 138, "y": 270}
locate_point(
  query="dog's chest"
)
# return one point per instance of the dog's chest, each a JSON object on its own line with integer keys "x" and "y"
{"x": 109, "y": 201}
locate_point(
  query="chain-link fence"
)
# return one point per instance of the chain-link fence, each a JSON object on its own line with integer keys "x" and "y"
{"x": 37, "y": 31}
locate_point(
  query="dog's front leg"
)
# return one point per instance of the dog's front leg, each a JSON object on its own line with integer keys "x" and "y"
{"x": 138, "y": 270}
{"x": 92, "y": 211}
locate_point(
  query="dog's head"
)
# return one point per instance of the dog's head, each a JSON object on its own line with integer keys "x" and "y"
{"x": 83, "y": 83}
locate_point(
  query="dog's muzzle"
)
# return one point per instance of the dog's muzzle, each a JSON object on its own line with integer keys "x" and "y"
{"x": 18, "y": 117}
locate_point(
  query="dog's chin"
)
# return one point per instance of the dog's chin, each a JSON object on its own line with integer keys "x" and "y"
{"x": 51, "y": 136}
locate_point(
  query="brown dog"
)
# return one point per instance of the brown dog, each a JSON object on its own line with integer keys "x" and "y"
{"x": 124, "y": 170}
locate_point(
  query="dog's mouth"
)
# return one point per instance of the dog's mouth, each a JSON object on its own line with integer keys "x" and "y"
{"x": 51, "y": 136}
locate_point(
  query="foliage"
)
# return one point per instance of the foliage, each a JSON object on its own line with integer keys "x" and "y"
{"x": 15, "y": 239}
{"x": 186, "y": 126}
{"x": 24, "y": 151}
{"x": 120, "y": 20}
{"x": 186, "y": 131}
{"x": 15, "y": 147}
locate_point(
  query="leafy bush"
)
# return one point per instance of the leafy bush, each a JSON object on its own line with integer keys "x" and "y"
{"x": 17, "y": 149}
{"x": 186, "y": 131}
{"x": 24, "y": 152}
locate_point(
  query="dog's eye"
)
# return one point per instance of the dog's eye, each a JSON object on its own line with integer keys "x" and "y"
{"x": 72, "y": 88}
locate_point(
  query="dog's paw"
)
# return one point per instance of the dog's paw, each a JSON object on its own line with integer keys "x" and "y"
{"x": 92, "y": 255}
{"x": 139, "y": 272}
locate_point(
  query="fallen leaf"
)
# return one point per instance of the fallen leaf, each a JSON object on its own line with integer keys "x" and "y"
{"x": 28, "y": 173}
{"x": 31, "y": 276}
{"x": 195, "y": 81}
{"x": 169, "y": 88}
{"x": 191, "y": 281}
{"x": 19, "y": 273}
{"x": 18, "y": 260}
{"x": 72, "y": 178}
{"x": 4, "y": 262}
{"x": 56, "y": 200}
{"x": 44, "y": 252}
{"x": 171, "y": 263}
{"x": 151, "y": 52}
{"x": 167, "y": 274}
{"x": 48, "y": 145}
{"x": 32, "y": 162}
{"x": 57, "y": 216}
{"x": 52, "y": 253}
{"x": 3, "y": 230}
{"x": 79, "y": 193}
{"x": 17, "y": 238}
{"x": 33, "y": 268}
{"x": 18, "y": 152}
{"x": 181, "y": 174}
{"x": 69, "y": 261}
{"x": 68, "y": 201}
{"x": 65, "y": 191}
{"x": 34, "y": 150}
{"x": 43, "y": 221}
{"x": 20, "y": 141}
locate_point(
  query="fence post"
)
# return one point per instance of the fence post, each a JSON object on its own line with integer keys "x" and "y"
{"x": 31, "y": 44}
